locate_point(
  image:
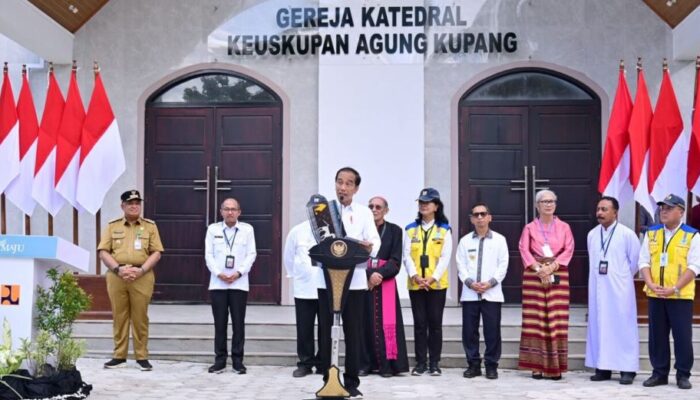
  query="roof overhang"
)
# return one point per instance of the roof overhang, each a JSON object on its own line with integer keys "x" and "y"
{"x": 35, "y": 31}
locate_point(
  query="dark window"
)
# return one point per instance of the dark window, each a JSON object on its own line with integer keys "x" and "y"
{"x": 214, "y": 89}
{"x": 527, "y": 85}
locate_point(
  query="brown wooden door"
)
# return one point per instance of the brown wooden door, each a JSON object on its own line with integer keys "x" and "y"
{"x": 195, "y": 158}
{"x": 503, "y": 149}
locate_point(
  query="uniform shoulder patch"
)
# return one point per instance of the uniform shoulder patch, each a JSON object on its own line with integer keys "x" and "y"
{"x": 115, "y": 220}
{"x": 150, "y": 221}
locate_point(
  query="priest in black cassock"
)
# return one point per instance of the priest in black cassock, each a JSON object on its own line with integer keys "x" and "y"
{"x": 384, "y": 339}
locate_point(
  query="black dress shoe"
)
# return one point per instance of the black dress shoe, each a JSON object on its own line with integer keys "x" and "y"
{"x": 601, "y": 375}
{"x": 626, "y": 378}
{"x": 537, "y": 375}
{"x": 362, "y": 372}
{"x": 301, "y": 372}
{"x": 655, "y": 380}
{"x": 491, "y": 373}
{"x": 240, "y": 369}
{"x": 683, "y": 383}
{"x": 217, "y": 368}
{"x": 472, "y": 371}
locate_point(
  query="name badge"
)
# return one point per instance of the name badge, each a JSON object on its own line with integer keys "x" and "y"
{"x": 603, "y": 268}
{"x": 137, "y": 244}
{"x": 664, "y": 259}
{"x": 230, "y": 262}
{"x": 547, "y": 251}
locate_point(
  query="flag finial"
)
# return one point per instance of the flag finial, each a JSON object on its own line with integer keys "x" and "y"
{"x": 639, "y": 63}
{"x": 697, "y": 63}
{"x": 95, "y": 67}
{"x": 665, "y": 64}
{"x": 4, "y": 69}
{"x": 75, "y": 66}
{"x": 622, "y": 65}
{"x": 50, "y": 66}
{"x": 24, "y": 69}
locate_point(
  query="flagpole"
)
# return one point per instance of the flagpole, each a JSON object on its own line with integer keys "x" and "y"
{"x": 689, "y": 213}
{"x": 98, "y": 215}
{"x": 50, "y": 217}
{"x": 27, "y": 219}
{"x": 74, "y": 68}
{"x": 637, "y": 225}
{"x": 3, "y": 206}
{"x": 3, "y": 212}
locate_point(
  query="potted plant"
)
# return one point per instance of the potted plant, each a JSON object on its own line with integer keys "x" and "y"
{"x": 57, "y": 307}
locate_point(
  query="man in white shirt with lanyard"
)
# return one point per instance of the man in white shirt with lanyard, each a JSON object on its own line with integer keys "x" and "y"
{"x": 229, "y": 251}
{"x": 612, "y": 340}
{"x": 358, "y": 222}
{"x": 482, "y": 263}
{"x": 299, "y": 267}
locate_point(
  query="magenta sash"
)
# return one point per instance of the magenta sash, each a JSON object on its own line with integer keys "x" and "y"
{"x": 388, "y": 288}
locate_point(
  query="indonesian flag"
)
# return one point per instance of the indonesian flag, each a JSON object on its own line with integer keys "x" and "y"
{"x": 68, "y": 144}
{"x": 101, "y": 154}
{"x": 615, "y": 168}
{"x": 668, "y": 148}
{"x": 20, "y": 190}
{"x": 640, "y": 132}
{"x": 694, "y": 151}
{"x": 9, "y": 134}
{"x": 45, "y": 168}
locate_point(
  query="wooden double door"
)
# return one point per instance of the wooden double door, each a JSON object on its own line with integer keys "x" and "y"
{"x": 509, "y": 152}
{"x": 197, "y": 157}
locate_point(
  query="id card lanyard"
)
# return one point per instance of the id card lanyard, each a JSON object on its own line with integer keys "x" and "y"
{"x": 604, "y": 246}
{"x": 663, "y": 262}
{"x": 546, "y": 249}
{"x": 230, "y": 243}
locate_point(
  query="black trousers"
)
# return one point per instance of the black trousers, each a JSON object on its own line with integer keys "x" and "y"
{"x": 306, "y": 311}
{"x": 353, "y": 313}
{"x": 223, "y": 303}
{"x": 427, "y": 307}
{"x": 671, "y": 316}
{"x": 490, "y": 312}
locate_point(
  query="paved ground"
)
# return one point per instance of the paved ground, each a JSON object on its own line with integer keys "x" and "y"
{"x": 190, "y": 381}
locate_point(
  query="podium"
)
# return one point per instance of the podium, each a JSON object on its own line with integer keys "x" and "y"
{"x": 24, "y": 261}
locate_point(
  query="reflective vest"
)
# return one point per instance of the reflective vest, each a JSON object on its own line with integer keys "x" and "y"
{"x": 430, "y": 246}
{"x": 677, "y": 250}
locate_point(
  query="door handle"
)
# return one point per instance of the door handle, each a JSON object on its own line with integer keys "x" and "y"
{"x": 523, "y": 188}
{"x": 205, "y": 188}
{"x": 217, "y": 188}
{"x": 536, "y": 188}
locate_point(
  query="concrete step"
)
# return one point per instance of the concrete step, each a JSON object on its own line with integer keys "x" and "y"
{"x": 449, "y": 360}
{"x": 256, "y": 344}
{"x": 95, "y": 327}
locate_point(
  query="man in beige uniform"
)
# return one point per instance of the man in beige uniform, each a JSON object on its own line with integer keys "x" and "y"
{"x": 130, "y": 248}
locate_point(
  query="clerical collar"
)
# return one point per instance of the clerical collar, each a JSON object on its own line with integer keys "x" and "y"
{"x": 612, "y": 226}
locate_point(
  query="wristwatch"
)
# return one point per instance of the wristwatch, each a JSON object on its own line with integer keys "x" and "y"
{"x": 116, "y": 269}
{"x": 676, "y": 291}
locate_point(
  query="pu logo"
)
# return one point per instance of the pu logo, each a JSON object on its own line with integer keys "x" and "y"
{"x": 9, "y": 295}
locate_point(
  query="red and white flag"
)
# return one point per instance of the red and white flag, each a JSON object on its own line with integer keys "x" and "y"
{"x": 640, "y": 132}
{"x": 45, "y": 168}
{"x": 615, "y": 169}
{"x": 20, "y": 189}
{"x": 694, "y": 151}
{"x": 668, "y": 149}
{"x": 68, "y": 144}
{"x": 101, "y": 153}
{"x": 9, "y": 134}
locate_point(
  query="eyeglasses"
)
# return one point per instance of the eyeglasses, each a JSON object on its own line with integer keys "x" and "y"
{"x": 548, "y": 202}
{"x": 480, "y": 214}
{"x": 375, "y": 207}
{"x": 230, "y": 209}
